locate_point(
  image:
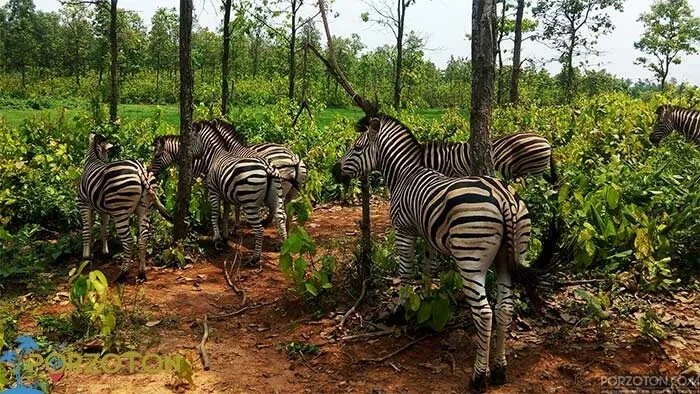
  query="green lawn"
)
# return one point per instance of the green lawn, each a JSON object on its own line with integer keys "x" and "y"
{"x": 170, "y": 113}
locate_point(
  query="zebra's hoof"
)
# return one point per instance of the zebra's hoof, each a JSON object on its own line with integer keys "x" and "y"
{"x": 253, "y": 262}
{"x": 219, "y": 245}
{"x": 141, "y": 278}
{"x": 498, "y": 376}
{"x": 478, "y": 384}
{"x": 122, "y": 277}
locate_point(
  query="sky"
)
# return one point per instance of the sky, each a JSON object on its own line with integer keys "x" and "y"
{"x": 445, "y": 25}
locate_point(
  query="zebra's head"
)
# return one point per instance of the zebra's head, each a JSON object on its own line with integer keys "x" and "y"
{"x": 664, "y": 124}
{"x": 361, "y": 159}
{"x": 166, "y": 150}
{"x": 98, "y": 147}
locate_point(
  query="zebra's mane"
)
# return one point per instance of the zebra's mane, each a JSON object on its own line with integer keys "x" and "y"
{"x": 363, "y": 124}
{"x": 230, "y": 130}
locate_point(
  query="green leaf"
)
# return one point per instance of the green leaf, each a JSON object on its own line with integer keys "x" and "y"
{"x": 414, "y": 302}
{"x": 424, "y": 312}
{"x": 311, "y": 289}
{"x": 285, "y": 263}
{"x": 441, "y": 313}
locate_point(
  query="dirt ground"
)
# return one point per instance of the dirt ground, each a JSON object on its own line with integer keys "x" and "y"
{"x": 248, "y": 354}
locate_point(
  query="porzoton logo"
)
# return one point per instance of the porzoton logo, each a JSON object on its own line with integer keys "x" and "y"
{"x": 26, "y": 357}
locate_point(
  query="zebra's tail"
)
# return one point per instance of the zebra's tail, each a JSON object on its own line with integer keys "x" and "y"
{"x": 553, "y": 177}
{"x": 148, "y": 181}
{"x": 531, "y": 277}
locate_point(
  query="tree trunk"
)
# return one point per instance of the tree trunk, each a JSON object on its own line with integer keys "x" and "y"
{"x": 483, "y": 17}
{"x": 292, "y": 44}
{"x": 225, "y": 59}
{"x": 499, "y": 53}
{"x": 517, "y": 47}
{"x": 399, "y": 54}
{"x": 569, "y": 68}
{"x": 114, "y": 64}
{"x": 184, "y": 185}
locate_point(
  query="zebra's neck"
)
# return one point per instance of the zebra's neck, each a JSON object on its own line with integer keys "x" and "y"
{"x": 398, "y": 153}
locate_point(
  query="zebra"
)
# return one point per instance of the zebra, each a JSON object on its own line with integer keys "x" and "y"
{"x": 250, "y": 182}
{"x": 670, "y": 118}
{"x": 292, "y": 169}
{"x": 476, "y": 220}
{"x": 515, "y": 156}
{"x": 118, "y": 190}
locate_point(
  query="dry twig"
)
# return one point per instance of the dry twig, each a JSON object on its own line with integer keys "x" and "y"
{"x": 202, "y": 350}
{"x": 245, "y": 308}
{"x": 399, "y": 350}
{"x": 357, "y": 303}
{"x": 368, "y": 335}
{"x": 227, "y": 272}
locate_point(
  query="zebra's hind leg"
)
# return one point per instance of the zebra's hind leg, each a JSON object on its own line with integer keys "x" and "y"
{"x": 473, "y": 263}
{"x": 104, "y": 231}
{"x": 143, "y": 212}
{"x": 252, "y": 213}
{"x": 430, "y": 261}
{"x": 275, "y": 203}
{"x": 122, "y": 225}
{"x": 504, "y": 316}
{"x": 86, "y": 217}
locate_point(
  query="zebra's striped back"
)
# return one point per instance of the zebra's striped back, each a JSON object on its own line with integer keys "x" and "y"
{"x": 521, "y": 154}
{"x": 670, "y": 118}
{"x": 516, "y": 155}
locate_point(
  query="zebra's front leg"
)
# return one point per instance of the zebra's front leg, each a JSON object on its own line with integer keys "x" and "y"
{"x": 405, "y": 246}
{"x": 215, "y": 201}
{"x": 143, "y": 213}
{"x": 122, "y": 225}
{"x": 252, "y": 213}
{"x": 86, "y": 217}
{"x": 104, "y": 231}
{"x": 504, "y": 316}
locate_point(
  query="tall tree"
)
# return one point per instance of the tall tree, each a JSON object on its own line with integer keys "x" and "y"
{"x": 572, "y": 28}
{"x": 184, "y": 185}
{"x": 226, "y": 48}
{"x": 76, "y": 35}
{"x": 670, "y": 30}
{"x": 163, "y": 44}
{"x": 110, "y": 5}
{"x": 395, "y": 20}
{"x": 517, "y": 49}
{"x": 483, "y": 73}
{"x": 20, "y": 43}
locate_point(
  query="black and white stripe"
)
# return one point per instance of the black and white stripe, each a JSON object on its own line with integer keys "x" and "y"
{"x": 515, "y": 156}
{"x": 292, "y": 169}
{"x": 249, "y": 182}
{"x": 670, "y": 118}
{"x": 476, "y": 220}
{"x": 117, "y": 190}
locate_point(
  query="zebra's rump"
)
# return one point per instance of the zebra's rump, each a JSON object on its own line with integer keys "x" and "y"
{"x": 241, "y": 180}
{"x": 521, "y": 154}
{"x": 113, "y": 187}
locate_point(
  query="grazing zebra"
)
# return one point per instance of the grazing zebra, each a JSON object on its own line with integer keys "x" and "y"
{"x": 515, "y": 155}
{"x": 118, "y": 190}
{"x": 292, "y": 169}
{"x": 670, "y": 118}
{"x": 249, "y": 182}
{"x": 476, "y": 220}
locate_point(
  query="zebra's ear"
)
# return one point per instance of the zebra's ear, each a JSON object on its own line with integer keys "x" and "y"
{"x": 373, "y": 127}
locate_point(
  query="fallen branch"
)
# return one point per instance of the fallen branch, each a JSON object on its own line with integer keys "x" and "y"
{"x": 357, "y": 303}
{"x": 392, "y": 354}
{"x": 245, "y": 308}
{"x": 227, "y": 272}
{"x": 579, "y": 282}
{"x": 202, "y": 350}
{"x": 368, "y": 335}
